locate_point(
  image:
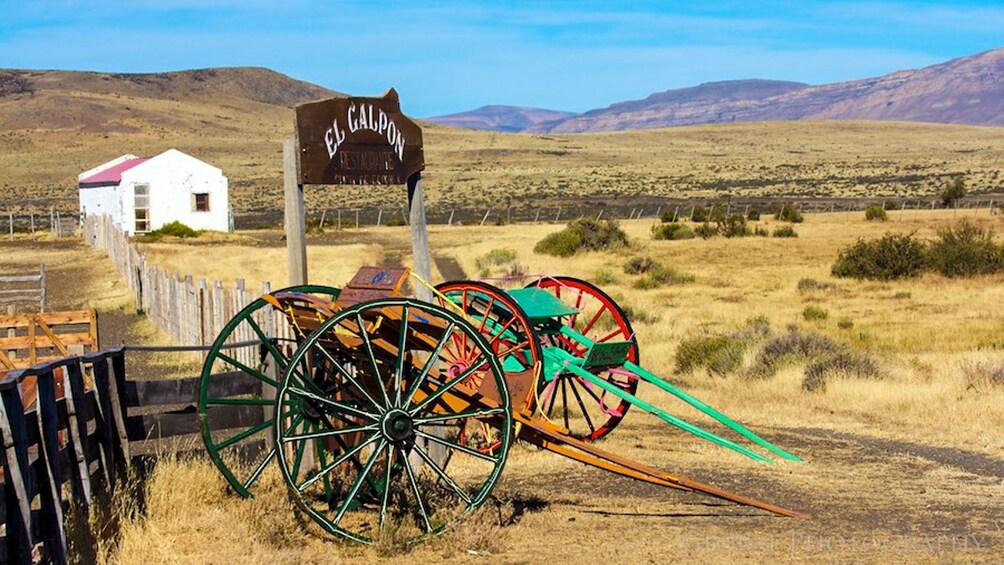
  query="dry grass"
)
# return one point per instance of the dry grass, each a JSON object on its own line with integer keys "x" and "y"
{"x": 902, "y": 484}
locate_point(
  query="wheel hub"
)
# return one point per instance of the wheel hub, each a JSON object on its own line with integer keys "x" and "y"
{"x": 398, "y": 426}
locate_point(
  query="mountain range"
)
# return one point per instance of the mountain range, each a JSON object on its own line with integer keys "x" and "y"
{"x": 967, "y": 90}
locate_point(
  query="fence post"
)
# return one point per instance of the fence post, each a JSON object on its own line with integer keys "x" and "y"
{"x": 51, "y": 502}
{"x": 80, "y": 477}
{"x": 488, "y": 211}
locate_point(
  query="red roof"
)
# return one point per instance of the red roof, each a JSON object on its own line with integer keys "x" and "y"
{"x": 112, "y": 175}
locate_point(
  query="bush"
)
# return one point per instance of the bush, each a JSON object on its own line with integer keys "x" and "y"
{"x": 604, "y": 277}
{"x": 495, "y": 257}
{"x": 785, "y": 231}
{"x": 640, "y": 265}
{"x": 672, "y": 231}
{"x": 173, "y": 229}
{"x": 699, "y": 214}
{"x": 584, "y": 234}
{"x": 965, "y": 250}
{"x": 876, "y": 213}
{"x": 953, "y": 191}
{"x": 668, "y": 216}
{"x": 889, "y": 257}
{"x": 707, "y": 230}
{"x": 760, "y": 232}
{"x": 788, "y": 213}
{"x": 734, "y": 225}
{"x": 753, "y": 215}
{"x": 824, "y": 356}
{"x": 720, "y": 354}
{"x": 807, "y": 285}
{"x": 812, "y": 313}
{"x": 659, "y": 276}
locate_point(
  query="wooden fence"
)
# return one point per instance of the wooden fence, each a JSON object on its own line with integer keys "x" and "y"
{"x": 29, "y": 339}
{"x": 26, "y": 290}
{"x": 85, "y": 437}
{"x": 192, "y": 311}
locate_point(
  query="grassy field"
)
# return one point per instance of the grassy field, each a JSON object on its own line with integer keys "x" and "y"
{"x": 903, "y": 467}
{"x": 471, "y": 169}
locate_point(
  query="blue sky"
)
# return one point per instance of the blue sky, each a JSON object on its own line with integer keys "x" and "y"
{"x": 454, "y": 55}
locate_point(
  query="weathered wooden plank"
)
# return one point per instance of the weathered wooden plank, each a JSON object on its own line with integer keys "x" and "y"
{"x": 50, "y": 480}
{"x": 16, "y": 485}
{"x": 185, "y": 421}
{"x": 184, "y": 391}
{"x": 77, "y": 426}
{"x": 50, "y": 318}
{"x": 110, "y": 454}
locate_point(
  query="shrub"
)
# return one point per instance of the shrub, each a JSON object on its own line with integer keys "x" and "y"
{"x": 639, "y": 315}
{"x": 807, "y": 285}
{"x": 953, "y": 191}
{"x": 699, "y": 214}
{"x": 785, "y": 231}
{"x": 812, "y": 313}
{"x": 845, "y": 323}
{"x": 720, "y": 354}
{"x": 760, "y": 232}
{"x": 672, "y": 231}
{"x": 640, "y": 265}
{"x": 983, "y": 375}
{"x": 173, "y": 229}
{"x": 707, "y": 230}
{"x": 584, "y": 234}
{"x": 788, "y": 213}
{"x": 668, "y": 216}
{"x": 889, "y": 257}
{"x": 495, "y": 257}
{"x": 876, "y": 213}
{"x": 604, "y": 276}
{"x": 753, "y": 215}
{"x": 661, "y": 276}
{"x": 733, "y": 225}
{"x": 965, "y": 250}
{"x": 824, "y": 356}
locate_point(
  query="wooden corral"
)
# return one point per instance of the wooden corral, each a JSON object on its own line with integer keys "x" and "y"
{"x": 24, "y": 290}
{"x": 65, "y": 447}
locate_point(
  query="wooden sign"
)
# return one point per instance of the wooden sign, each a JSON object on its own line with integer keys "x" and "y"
{"x": 358, "y": 140}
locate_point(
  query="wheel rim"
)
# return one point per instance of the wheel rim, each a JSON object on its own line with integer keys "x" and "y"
{"x": 370, "y": 388}
{"x": 505, "y": 325}
{"x": 228, "y": 445}
{"x": 589, "y": 414}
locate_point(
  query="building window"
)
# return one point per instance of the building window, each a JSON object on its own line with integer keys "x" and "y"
{"x": 200, "y": 202}
{"x": 141, "y": 205}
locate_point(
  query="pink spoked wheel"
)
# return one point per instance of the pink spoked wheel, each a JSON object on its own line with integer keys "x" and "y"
{"x": 586, "y": 410}
{"x": 504, "y": 324}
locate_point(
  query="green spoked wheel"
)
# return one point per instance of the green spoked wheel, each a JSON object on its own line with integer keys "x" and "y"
{"x": 368, "y": 398}
{"x": 239, "y": 383}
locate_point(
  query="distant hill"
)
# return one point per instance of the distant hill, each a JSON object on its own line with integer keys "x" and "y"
{"x": 59, "y": 99}
{"x": 967, "y": 90}
{"x": 502, "y": 118}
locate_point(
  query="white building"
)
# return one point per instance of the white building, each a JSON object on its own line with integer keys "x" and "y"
{"x": 143, "y": 194}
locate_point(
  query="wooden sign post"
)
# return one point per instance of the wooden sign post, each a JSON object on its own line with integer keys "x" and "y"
{"x": 361, "y": 141}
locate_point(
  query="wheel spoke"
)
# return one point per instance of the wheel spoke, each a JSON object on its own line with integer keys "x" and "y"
{"x": 261, "y": 426}
{"x": 610, "y": 335}
{"x": 502, "y": 330}
{"x": 345, "y": 456}
{"x": 564, "y": 399}
{"x": 212, "y": 401}
{"x": 488, "y": 310}
{"x": 582, "y": 406}
{"x": 348, "y": 377}
{"x": 402, "y": 344}
{"x": 414, "y": 489}
{"x": 386, "y": 483}
{"x": 428, "y": 365}
{"x": 449, "y": 386}
{"x": 459, "y": 415}
{"x": 253, "y": 372}
{"x": 329, "y": 433}
{"x": 337, "y": 405}
{"x": 442, "y": 474}
{"x": 589, "y": 326}
{"x": 456, "y": 446}
{"x": 267, "y": 342}
{"x": 359, "y": 481}
{"x": 258, "y": 470}
{"x": 369, "y": 349}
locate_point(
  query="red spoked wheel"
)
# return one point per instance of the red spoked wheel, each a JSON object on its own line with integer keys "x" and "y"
{"x": 505, "y": 326}
{"x": 587, "y": 411}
